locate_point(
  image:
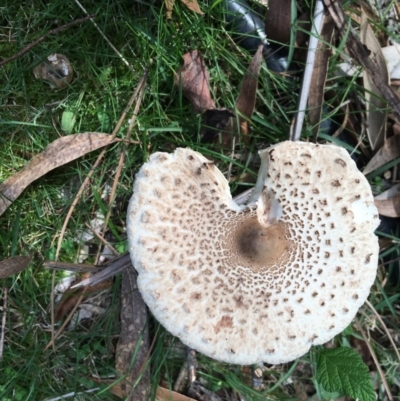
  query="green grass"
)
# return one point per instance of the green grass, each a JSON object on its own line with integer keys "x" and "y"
{"x": 30, "y": 119}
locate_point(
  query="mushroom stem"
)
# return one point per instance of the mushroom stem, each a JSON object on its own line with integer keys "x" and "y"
{"x": 269, "y": 210}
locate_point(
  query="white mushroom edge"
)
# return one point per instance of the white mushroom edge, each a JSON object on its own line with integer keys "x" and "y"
{"x": 263, "y": 281}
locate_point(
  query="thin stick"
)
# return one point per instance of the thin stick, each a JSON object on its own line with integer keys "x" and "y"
{"x": 3, "y": 322}
{"x": 376, "y": 361}
{"x": 140, "y": 90}
{"x": 105, "y": 37}
{"x": 319, "y": 15}
{"x": 103, "y": 240}
{"x": 384, "y": 328}
{"x": 42, "y": 38}
{"x": 80, "y": 192}
{"x": 67, "y": 320}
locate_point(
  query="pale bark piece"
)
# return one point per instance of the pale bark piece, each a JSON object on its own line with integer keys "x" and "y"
{"x": 388, "y": 152}
{"x": 58, "y": 153}
{"x": 375, "y": 104}
{"x": 194, "y": 78}
{"x": 133, "y": 340}
{"x": 318, "y": 78}
{"x": 389, "y": 207}
{"x": 14, "y": 265}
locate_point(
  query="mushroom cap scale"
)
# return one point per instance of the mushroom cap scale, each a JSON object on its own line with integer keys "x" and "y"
{"x": 245, "y": 284}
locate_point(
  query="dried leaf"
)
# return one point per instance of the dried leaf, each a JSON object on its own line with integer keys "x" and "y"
{"x": 318, "y": 78}
{"x": 389, "y": 207}
{"x": 194, "y": 79}
{"x": 278, "y": 23}
{"x": 72, "y": 296}
{"x": 375, "y": 105}
{"x": 169, "y": 5}
{"x": 361, "y": 54}
{"x": 133, "y": 340}
{"x": 14, "y": 265}
{"x": 164, "y": 394}
{"x": 192, "y": 5}
{"x": 246, "y": 100}
{"x": 388, "y": 152}
{"x": 58, "y": 153}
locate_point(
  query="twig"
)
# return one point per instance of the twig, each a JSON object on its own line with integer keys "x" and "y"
{"x": 105, "y": 37}
{"x": 80, "y": 192}
{"x": 384, "y": 328}
{"x": 374, "y": 357}
{"x": 102, "y": 239}
{"x": 3, "y": 322}
{"x": 42, "y": 38}
{"x": 319, "y": 15}
{"x": 67, "y": 320}
{"x": 139, "y": 91}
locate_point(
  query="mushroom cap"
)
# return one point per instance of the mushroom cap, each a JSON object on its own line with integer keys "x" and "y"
{"x": 252, "y": 283}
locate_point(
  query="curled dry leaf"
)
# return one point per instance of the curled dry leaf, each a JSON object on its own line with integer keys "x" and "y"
{"x": 194, "y": 79}
{"x": 388, "y": 152}
{"x": 318, "y": 78}
{"x": 375, "y": 104}
{"x": 246, "y": 100}
{"x": 14, "y": 265}
{"x": 56, "y": 70}
{"x": 362, "y": 55}
{"x": 72, "y": 296}
{"x": 58, "y": 153}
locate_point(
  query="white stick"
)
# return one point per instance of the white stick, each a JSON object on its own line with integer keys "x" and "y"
{"x": 319, "y": 14}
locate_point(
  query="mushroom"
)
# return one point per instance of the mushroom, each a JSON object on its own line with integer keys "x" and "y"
{"x": 258, "y": 282}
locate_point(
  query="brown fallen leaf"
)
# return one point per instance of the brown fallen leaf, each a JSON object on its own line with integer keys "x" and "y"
{"x": 163, "y": 394}
{"x": 318, "y": 78}
{"x": 388, "y": 152}
{"x": 222, "y": 125}
{"x": 133, "y": 340}
{"x": 58, "y": 153}
{"x": 362, "y": 55}
{"x": 72, "y": 296}
{"x": 246, "y": 100}
{"x": 14, "y": 265}
{"x": 192, "y": 5}
{"x": 375, "y": 105}
{"x": 389, "y": 207}
{"x": 194, "y": 79}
